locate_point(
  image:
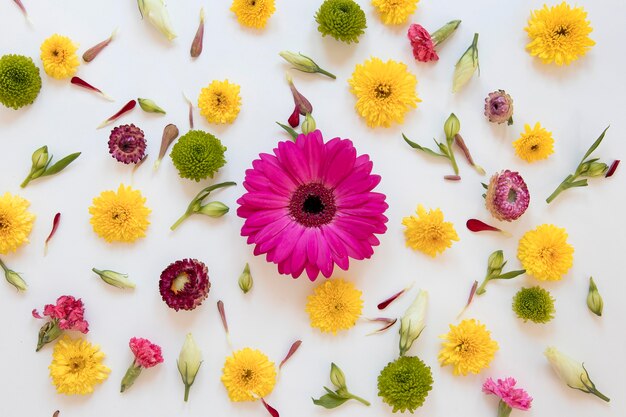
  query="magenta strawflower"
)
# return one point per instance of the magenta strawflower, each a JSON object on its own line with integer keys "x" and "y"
{"x": 507, "y": 196}
{"x": 127, "y": 144}
{"x": 67, "y": 314}
{"x": 310, "y": 206}
{"x": 510, "y": 397}
{"x": 499, "y": 107}
{"x": 147, "y": 355}
{"x": 422, "y": 44}
{"x": 184, "y": 284}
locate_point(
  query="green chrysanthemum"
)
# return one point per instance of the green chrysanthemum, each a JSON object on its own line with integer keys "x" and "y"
{"x": 19, "y": 81}
{"x": 344, "y": 20}
{"x": 534, "y": 304}
{"x": 404, "y": 383}
{"x": 198, "y": 155}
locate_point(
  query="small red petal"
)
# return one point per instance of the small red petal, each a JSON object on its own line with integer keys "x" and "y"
{"x": 476, "y": 225}
{"x": 82, "y": 83}
{"x": 270, "y": 409}
{"x": 22, "y": 8}
{"x": 470, "y": 298}
{"x": 294, "y": 119}
{"x": 91, "y": 53}
{"x": 220, "y": 308}
{"x": 294, "y": 347}
{"x": 36, "y": 314}
{"x": 127, "y": 107}
{"x": 452, "y": 177}
{"x": 55, "y": 226}
{"x": 389, "y": 323}
{"x": 612, "y": 169}
{"x": 383, "y": 305}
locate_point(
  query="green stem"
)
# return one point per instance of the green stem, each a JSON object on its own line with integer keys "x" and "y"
{"x": 326, "y": 73}
{"x": 180, "y": 220}
{"x": 187, "y": 392}
{"x": 359, "y": 399}
{"x": 3, "y": 266}
{"x": 481, "y": 289}
{"x": 26, "y": 181}
{"x": 599, "y": 395}
{"x": 455, "y": 167}
{"x": 504, "y": 410}
{"x": 558, "y": 191}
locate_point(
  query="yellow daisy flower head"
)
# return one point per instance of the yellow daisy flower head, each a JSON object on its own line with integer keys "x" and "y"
{"x": 220, "y": 102}
{"x": 428, "y": 232}
{"x": 248, "y": 375}
{"x": 395, "y": 12}
{"x": 534, "y": 144}
{"x": 58, "y": 54}
{"x": 468, "y": 347}
{"x": 16, "y": 222}
{"x": 120, "y": 216}
{"x": 545, "y": 253}
{"x": 253, "y": 13}
{"x": 559, "y": 34}
{"x": 385, "y": 91}
{"x": 335, "y": 305}
{"x": 77, "y": 366}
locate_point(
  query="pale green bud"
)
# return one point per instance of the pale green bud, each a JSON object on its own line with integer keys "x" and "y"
{"x": 149, "y": 106}
{"x": 16, "y": 280}
{"x": 189, "y": 362}
{"x": 452, "y": 126}
{"x": 572, "y": 373}
{"x": 337, "y": 377}
{"x": 245, "y": 280}
{"x": 40, "y": 159}
{"x": 495, "y": 263}
{"x": 594, "y": 300}
{"x": 593, "y": 169}
{"x": 413, "y": 322}
{"x": 156, "y": 12}
{"x": 466, "y": 66}
{"x": 444, "y": 32}
{"x": 308, "y": 125}
{"x": 303, "y": 63}
{"x": 115, "y": 279}
{"x": 213, "y": 209}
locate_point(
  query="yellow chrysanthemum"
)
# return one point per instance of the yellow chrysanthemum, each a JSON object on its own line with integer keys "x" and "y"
{"x": 248, "y": 375}
{"x": 220, "y": 102}
{"x": 534, "y": 144}
{"x": 385, "y": 91}
{"x": 335, "y": 305}
{"x": 58, "y": 54}
{"x": 428, "y": 232}
{"x": 15, "y": 222}
{"x": 395, "y": 12}
{"x": 77, "y": 367}
{"x": 120, "y": 216}
{"x": 253, "y": 13}
{"x": 468, "y": 347}
{"x": 559, "y": 34}
{"x": 545, "y": 253}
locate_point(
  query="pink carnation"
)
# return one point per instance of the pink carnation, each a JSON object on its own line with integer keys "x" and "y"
{"x": 506, "y": 391}
{"x": 422, "y": 44}
{"x": 147, "y": 354}
{"x": 68, "y": 311}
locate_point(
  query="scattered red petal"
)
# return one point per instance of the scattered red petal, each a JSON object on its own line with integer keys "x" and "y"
{"x": 141, "y": 161}
{"x": 389, "y": 323}
{"x": 127, "y": 107}
{"x": 384, "y": 304}
{"x": 452, "y": 177}
{"x": 22, "y": 8}
{"x": 196, "y": 45}
{"x": 294, "y": 347}
{"x": 55, "y": 225}
{"x": 36, "y": 314}
{"x": 270, "y": 409}
{"x": 470, "y": 298}
{"x": 476, "y": 225}
{"x": 612, "y": 169}
{"x": 82, "y": 83}
{"x": 294, "y": 119}
{"x": 220, "y": 308}
{"x": 56, "y": 414}
{"x": 91, "y": 53}
{"x": 190, "y": 111}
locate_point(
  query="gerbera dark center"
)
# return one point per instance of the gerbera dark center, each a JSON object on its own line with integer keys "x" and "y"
{"x": 382, "y": 91}
{"x": 247, "y": 375}
{"x": 562, "y": 31}
{"x": 179, "y": 283}
{"x": 312, "y": 205}
{"x": 128, "y": 144}
{"x": 534, "y": 147}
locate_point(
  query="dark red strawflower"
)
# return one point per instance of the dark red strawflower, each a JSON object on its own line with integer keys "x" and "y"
{"x": 184, "y": 284}
{"x": 422, "y": 44}
{"x": 127, "y": 144}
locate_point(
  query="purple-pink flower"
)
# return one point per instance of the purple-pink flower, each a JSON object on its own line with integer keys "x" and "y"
{"x": 507, "y": 196}
{"x": 147, "y": 354}
{"x": 184, "y": 284}
{"x": 311, "y": 206}
{"x": 422, "y": 44}
{"x": 68, "y": 311}
{"x": 508, "y": 394}
{"x": 127, "y": 144}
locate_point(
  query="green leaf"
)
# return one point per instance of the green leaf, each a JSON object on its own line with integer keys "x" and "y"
{"x": 60, "y": 165}
{"x": 206, "y": 191}
{"x": 289, "y": 130}
{"x": 510, "y": 274}
{"x": 595, "y": 144}
{"x": 421, "y": 148}
{"x": 330, "y": 400}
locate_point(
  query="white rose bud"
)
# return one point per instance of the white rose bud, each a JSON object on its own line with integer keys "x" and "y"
{"x": 189, "y": 362}
{"x": 413, "y": 321}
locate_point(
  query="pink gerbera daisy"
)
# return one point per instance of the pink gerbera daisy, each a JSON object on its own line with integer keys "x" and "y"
{"x": 311, "y": 206}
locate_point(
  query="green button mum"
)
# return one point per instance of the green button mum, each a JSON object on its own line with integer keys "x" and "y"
{"x": 198, "y": 155}
{"x": 344, "y": 20}
{"x": 534, "y": 304}
{"x": 404, "y": 384}
{"x": 20, "y": 82}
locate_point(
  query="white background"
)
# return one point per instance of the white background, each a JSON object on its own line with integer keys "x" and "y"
{"x": 575, "y": 102}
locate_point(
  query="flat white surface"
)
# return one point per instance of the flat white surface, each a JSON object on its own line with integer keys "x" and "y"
{"x": 576, "y": 103}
